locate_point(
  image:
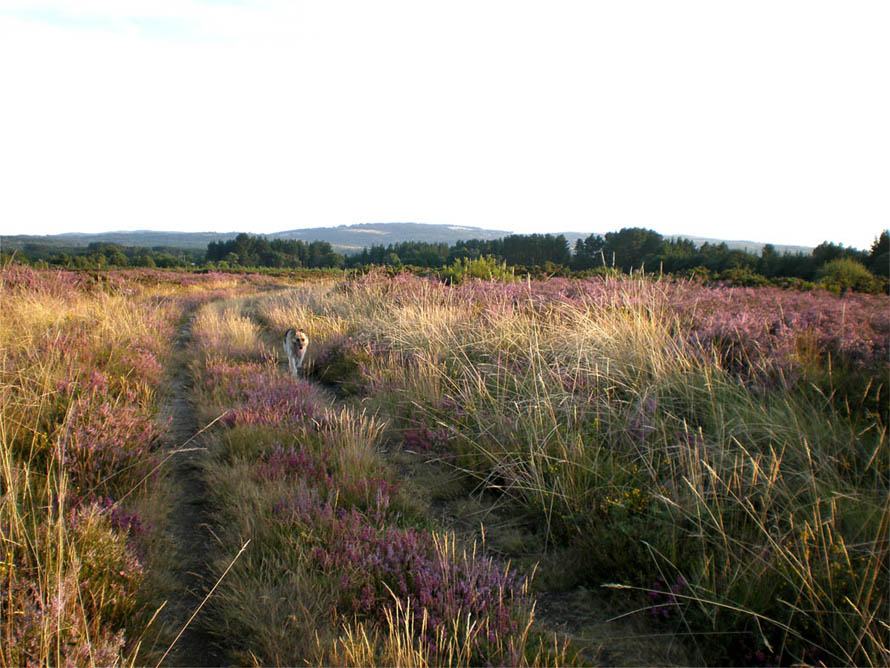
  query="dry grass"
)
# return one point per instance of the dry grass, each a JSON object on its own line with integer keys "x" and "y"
{"x": 71, "y": 580}
{"x": 81, "y": 363}
{"x": 769, "y": 507}
{"x": 751, "y": 519}
{"x": 222, "y": 328}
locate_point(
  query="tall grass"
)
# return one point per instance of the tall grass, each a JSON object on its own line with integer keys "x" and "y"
{"x": 724, "y": 476}
{"x": 85, "y": 559}
{"x": 79, "y": 370}
{"x": 338, "y": 550}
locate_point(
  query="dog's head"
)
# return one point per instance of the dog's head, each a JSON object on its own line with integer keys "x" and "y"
{"x": 300, "y": 339}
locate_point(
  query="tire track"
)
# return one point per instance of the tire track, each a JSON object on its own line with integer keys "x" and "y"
{"x": 189, "y": 521}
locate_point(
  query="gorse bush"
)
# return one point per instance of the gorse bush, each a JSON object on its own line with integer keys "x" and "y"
{"x": 845, "y": 274}
{"x": 486, "y": 267}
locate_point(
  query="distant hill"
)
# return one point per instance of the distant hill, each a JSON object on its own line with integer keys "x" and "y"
{"x": 344, "y": 238}
{"x": 352, "y": 238}
{"x": 749, "y": 246}
{"x": 146, "y": 238}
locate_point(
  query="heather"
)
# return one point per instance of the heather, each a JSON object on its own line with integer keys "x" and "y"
{"x": 720, "y": 450}
{"x": 81, "y": 361}
{"x": 456, "y": 461}
{"x": 333, "y": 534}
{"x": 82, "y": 374}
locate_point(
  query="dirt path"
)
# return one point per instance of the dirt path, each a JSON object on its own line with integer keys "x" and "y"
{"x": 188, "y": 523}
{"x": 582, "y": 615}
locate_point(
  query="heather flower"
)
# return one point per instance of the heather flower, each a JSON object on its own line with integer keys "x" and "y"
{"x": 373, "y": 562}
{"x": 107, "y": 446}
{"x": 274, "y": 400}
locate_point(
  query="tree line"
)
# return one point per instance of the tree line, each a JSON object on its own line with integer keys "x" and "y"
{"x": 101, "y": 255}
{"x": 638, "y": 249}
{"x": 250, "y": 251}
{"x": 629, "y": 249}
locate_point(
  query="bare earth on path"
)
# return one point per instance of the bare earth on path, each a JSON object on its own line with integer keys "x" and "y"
{"x": 188, "y": 522}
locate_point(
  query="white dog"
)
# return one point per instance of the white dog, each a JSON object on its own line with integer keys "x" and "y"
{"x": 295, "y": 343}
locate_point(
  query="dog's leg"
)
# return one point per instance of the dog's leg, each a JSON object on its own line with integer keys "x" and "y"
{"x": 289, "y": 349}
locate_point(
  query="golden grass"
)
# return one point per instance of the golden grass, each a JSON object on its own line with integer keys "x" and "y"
{"x": 73, "y": 589}
{"x": 769, "y": 502}
{"x": 221, "y": 327}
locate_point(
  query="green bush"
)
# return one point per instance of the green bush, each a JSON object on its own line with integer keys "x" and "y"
{"x": 487, "y": 267}
{"x": 845, "y": 274}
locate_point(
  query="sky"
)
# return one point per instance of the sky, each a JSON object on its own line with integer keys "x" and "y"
{"x": 759, "y": 120}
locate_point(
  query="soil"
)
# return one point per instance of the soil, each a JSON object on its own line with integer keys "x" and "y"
{"x": 188, "y": 522}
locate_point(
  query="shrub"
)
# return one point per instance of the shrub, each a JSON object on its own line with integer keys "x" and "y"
{"x": 343, "y": 363}
{"x": 487, "y": 267}
{"x": 845, "y": 274}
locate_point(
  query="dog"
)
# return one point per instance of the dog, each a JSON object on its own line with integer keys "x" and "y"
{"x": 295, "y": 343}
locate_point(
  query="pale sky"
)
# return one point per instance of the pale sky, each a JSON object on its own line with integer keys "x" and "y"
{"x": 759, "y": 120}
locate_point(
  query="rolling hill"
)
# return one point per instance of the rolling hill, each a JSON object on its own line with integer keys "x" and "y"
{"x": 343, "y": 238}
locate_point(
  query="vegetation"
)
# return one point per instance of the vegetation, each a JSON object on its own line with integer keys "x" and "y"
{"x": 628, "y": 250}
{"x": 334, "y": 535}
{"x": 82, "y": 515}
{"x": 249, "y": 251}
{"x": 723, "y": 451}
{"x": 711, "y": 458}
{"x": 636, "y": 249}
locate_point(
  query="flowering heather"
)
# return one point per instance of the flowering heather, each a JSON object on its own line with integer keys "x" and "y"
{"x": 228, "y": 382}
{"x": 374, "y": 563}
{"x": 423, "y": 439}
{"x": 83, "y": 355}
{"x": 127, "y": 521}
{"x": 664, "y": 598}
{"x": 353, "y": 489}
{"x": 278, "y": 400}
{"x": 753, "y": 329}
{"x": 613, "y": 410}
{"x": 85, "y": 605}
{"x": 79, "y": 644}
{"x": 21, "y": 279}
{"x": 293, "y": 463}
{"x": 773, "y": 324}
{"x": 108, "y": 445}
{"x": 344, "y": 362}
{"x": 142, "y": 365}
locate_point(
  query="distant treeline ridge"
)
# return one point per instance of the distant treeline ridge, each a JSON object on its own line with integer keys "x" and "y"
{"x": 626, "y": 250}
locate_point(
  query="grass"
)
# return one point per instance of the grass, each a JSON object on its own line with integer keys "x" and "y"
{"x": 77, "y": 380}
{"x": 85, "y": 558}
{"x": 332, "y": 528}
{"x": 712, "y": 461}
{"x": 746, "y": 509}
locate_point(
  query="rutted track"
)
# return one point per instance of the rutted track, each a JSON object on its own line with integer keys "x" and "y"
{"x": 189, "y": 520}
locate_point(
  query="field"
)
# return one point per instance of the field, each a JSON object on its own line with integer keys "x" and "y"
{"x": 624, "y": 471}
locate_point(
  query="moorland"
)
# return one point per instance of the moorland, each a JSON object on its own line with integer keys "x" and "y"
{"x": 611, "y": 469}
